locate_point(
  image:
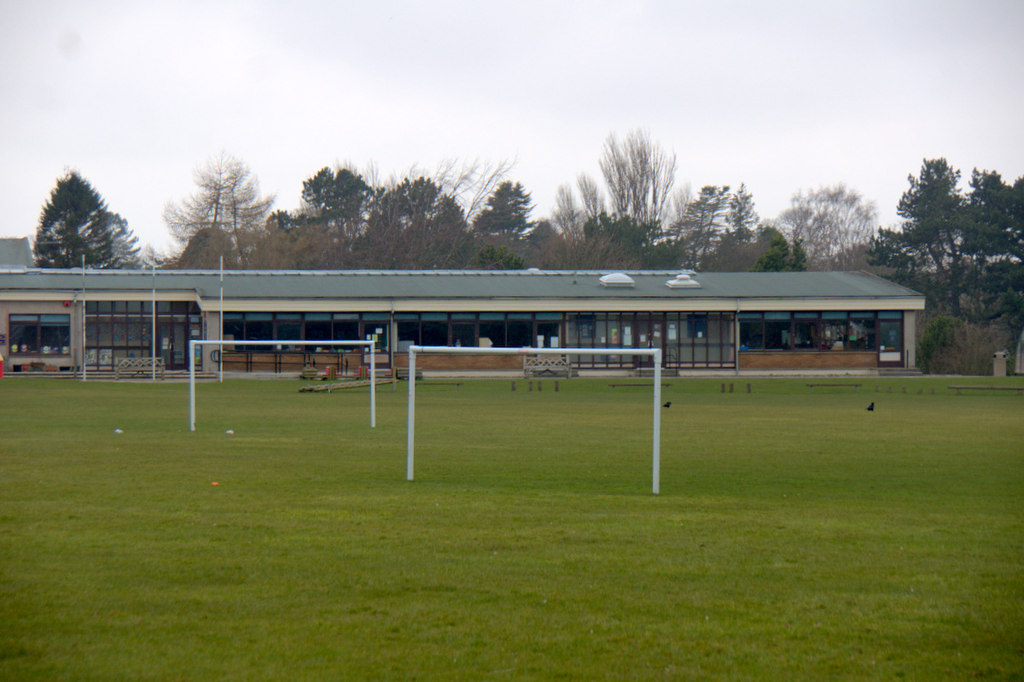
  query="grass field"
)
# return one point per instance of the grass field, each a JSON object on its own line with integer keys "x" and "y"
{"x": 797, "y": 535}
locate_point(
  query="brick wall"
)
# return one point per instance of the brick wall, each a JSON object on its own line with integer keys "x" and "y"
{"x": 812, "y": 360}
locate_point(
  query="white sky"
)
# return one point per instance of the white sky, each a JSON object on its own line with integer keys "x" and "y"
{"x": 783, "y": 96}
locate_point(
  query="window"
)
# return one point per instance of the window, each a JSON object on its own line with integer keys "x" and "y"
{"x": 463, "y": 329}
{"x": 520, "y": 330}
{"x": 833, "y": 331}
{"x": 492, "y": 329}
{"x": 40, "y": 334}
{"x": 890, "y": 328}
{"x": 751, "y": 331}
{"x": 805, "y": 332}
{"x": 861, "y": 334}
{"x": 777, "y": 332}
{"x": 434, "y": 329}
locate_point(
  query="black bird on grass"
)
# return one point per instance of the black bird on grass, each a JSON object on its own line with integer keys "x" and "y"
{"x": 668, "y": 404}
{"x": 871, "y": 407}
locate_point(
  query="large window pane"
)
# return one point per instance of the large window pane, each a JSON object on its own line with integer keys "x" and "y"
{"x": 464, "y": 333}
{"x": 806, "y": 334}
{"x": 492, "y": 332}
{"x": 889, "y": 335}
{"x": 520, "y": 333}
{"x": 777, "y": 332}
{"x": 751, "y": 333}
{"x": 434, "y": 333}
{"x": 861, "y": 332}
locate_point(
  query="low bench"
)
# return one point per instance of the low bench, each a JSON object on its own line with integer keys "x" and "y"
{"x": 547, "y": 366}
{"x": 132, "y": 367}
{"x": 1019, "y": 389}
{"x": 856, "y": 387}
{"x": 403, "y": 373}
{"x": 456, "y": 384}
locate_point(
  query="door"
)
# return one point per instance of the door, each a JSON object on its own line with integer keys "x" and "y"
{"x": 649, "y": 334}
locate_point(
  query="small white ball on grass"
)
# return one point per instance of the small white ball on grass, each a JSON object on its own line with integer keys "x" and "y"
{"x": 118, "y": 431}
{"x": 230, "y": 432}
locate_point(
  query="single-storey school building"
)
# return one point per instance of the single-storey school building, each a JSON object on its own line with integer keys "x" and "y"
{"x": 56, "y": 320}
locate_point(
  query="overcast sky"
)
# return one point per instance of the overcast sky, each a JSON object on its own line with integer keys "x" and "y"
{"x": 783, "y": 96}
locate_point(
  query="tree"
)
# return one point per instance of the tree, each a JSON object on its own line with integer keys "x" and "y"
{"x": 415, "y": 225}
{"x": 630, "y": 239}
{"x": 780, "y": 256}
{"x": 491, "y": 257}
{"x": 699, "y": 228}
{"x": 75, "y": 222}
{"x": 831, "y": 222}
{"x": 228, "y": 202}
{"x": 335, "y": 204}
{"x": 507, "y": 212}
{"x": 965, "y": 252}
{"x": 742, "y": 218}
{"x": 639, "y": 176}
{"x": 927, "y": 252}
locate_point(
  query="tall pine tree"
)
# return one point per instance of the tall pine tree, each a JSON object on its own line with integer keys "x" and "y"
{"x": 75, "y": 222}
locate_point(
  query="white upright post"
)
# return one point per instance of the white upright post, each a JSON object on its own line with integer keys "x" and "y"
{"x": 153, "y": 339}
{"x": 191, "y": 386}
{"x": 412, "y": 413}
{"x": 83, "y": 318}
{"x": 220, "y": 317}
{"x": 656, "y": 464}
{"x": 373, "y": 384}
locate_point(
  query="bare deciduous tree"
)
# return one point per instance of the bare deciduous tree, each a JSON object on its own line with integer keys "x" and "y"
{"x": 227, "y": 209}
{"x": 468, "y": 183}
{"x": 593, "y": 200}
{"x": 834, "y": 223}
{"x": 639, "y": 176}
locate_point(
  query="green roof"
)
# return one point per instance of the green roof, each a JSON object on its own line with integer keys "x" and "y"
{"x": 460, "y": 284}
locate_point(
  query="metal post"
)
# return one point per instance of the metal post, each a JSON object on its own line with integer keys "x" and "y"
{"x": 656, "y": 447}
{"x": 191, "y": 385}
{"x": 220, "y": 316}
{"x": 373, "y": 384}
{"x": 83, "y": 319}
{"x": 412, "y": 415}
{"x": 153, "y": 339}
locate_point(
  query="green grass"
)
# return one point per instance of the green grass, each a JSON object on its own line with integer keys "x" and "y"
{"x": 796, "y": 535}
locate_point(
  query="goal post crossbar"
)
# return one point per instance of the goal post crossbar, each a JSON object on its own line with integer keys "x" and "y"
{"x": 474, "y": 350}
{"x": 369, "y": 344}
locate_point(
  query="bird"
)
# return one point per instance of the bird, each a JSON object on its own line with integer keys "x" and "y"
{"x": 668, "y": 404}
{"x": 871, "y": 407}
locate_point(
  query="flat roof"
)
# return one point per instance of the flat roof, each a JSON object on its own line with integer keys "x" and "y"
{"x": 369, "y": 285}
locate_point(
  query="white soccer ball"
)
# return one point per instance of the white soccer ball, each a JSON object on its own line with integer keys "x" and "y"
{"x": 230, "y": 432}
{"x": 118, "y": 431}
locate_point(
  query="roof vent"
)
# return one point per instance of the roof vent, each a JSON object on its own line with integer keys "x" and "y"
{"x": 617, "y": 279}
{"x": 684, "y": 280}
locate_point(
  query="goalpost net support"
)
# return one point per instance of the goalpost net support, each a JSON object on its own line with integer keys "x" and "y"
{"x": 464, "y": 350}
{"x": 369, "y": 344}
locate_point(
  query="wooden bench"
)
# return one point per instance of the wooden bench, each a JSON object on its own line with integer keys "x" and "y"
{"x": 547, "y": 366}
{"x": 1019, "y": 389}
{"x": 132, "y": 367}
{"x": 403, "y": 373}
{"x": 456, "y": 384}
{"x": 856, "y": 387}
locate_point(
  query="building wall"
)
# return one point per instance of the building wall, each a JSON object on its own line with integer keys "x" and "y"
{"x": 57, "y": 361}
{"x": 461, "y": 362}
{"x": 807, "y": 360}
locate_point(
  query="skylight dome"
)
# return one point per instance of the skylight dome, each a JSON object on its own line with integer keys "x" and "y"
{"x": 617, "y": 279}
{"x": 684, "y": 280}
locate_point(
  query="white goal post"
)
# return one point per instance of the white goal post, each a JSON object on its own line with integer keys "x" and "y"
{"x": 466, "y": 350}
{"x": 371, "y": 346}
